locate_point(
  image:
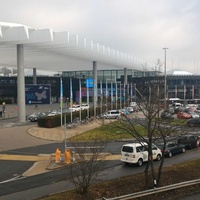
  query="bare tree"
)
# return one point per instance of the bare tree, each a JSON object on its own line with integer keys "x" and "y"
{"x": 154, "y": 127}
{"x": 5, "y": 71}
{"x": 88, "y": 163}
{"x": 14, "y": 71}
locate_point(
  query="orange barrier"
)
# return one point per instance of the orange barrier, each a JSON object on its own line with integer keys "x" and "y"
{"x": 68, "y": 156}
{"x": 58, "y": 155}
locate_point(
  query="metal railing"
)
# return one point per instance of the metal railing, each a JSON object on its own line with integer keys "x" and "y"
{"x": 155, "y": 190}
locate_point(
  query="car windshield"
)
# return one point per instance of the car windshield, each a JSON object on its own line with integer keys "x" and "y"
{"x": 182, "y": 139}
{"x": 170, "y": 145}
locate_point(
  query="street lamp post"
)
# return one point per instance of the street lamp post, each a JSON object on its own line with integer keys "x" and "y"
{"x": 165, "y": 78}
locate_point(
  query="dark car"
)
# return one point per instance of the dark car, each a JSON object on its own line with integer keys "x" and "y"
{"x": 190, "y": 141}
{"x": 193, "y": 122}
{"x": 172, "y": 148}
{"x": 34, "y": 116}
{"x": 166, "y": 115}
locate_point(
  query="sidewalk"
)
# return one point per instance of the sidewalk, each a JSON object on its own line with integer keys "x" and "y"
{"x": 46, "y": 162}
{"x": 59, "y": 133}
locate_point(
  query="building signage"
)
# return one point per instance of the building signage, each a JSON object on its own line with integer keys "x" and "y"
{"x": 38, "y": 94}
{"x": 89, "y": 83}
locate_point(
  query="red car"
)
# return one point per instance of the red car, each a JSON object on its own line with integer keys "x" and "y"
{"x": 183, "y": 115}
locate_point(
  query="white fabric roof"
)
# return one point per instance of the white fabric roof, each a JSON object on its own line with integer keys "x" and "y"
{"x": 58, "y": 51}
{"x": 176, "y": 72}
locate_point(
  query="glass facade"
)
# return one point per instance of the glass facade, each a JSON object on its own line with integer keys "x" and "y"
{"x": 103, "y": 75}
{"x": 184, "y": 87}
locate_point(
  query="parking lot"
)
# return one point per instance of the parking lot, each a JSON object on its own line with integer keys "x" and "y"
{"x": 11, "y": 111}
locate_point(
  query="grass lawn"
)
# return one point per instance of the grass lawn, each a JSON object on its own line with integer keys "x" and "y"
{"x": 111, "y": 131}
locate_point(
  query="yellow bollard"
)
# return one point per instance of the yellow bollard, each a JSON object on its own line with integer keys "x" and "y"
{"x": 58, "y": 155}
{"x": 68, "y": 156}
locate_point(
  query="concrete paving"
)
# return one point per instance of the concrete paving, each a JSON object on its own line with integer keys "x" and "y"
{"x": 12, "y": 138}
{"x": 60, "y": 134}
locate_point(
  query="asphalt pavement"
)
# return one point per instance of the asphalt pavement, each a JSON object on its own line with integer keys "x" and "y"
{"x": 16, "y": 136}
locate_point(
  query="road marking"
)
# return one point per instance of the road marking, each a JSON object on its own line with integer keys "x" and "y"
{"x": 13, "y": 179}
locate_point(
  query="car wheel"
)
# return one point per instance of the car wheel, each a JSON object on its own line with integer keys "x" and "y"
{"x": 170, "y": 154}
{"x": 140, "y": 162}
{"x": 183, "y": 150}
{"x": 158, "y": 157}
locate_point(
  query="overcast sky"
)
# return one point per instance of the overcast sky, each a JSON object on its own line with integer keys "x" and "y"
{"x": 141, "y": 28}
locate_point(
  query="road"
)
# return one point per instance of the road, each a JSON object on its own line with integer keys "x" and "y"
{"x": 15, "y": 140}
{"x": 115, "y": 169}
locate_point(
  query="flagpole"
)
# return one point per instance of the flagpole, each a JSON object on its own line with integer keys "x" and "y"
{"x": 106, "y": 96}
{"x": 116, "y": 95}
{"x": 131, "y": 91}
{"x": 71, "y": 97}
{"x": 192, "y": 91}
{"x": 88, "y": 102}
{"x": 61, "y": 100}
{"x": 80, "y": 100}
{"x": 111, "y": 88}
{"x": 101, "y": 94}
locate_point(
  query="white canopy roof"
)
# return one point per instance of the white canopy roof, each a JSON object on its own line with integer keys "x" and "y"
{"x": 58, "y": 51}
{"x": 177, "y": 72}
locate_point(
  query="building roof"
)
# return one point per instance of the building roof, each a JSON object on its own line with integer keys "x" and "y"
{"x": 58, "y": 51}
{"x": 176, "y": 72}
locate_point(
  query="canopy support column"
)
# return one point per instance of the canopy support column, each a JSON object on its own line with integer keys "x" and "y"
{"x": 34, "y": 76}
{"x": 21, "y": 84}
{"x": 95, "y": 87}
{"x": 125, "y": 76}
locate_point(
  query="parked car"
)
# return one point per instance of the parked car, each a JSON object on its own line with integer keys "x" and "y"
{"x": 137, "y": 153}
{"x": 192, "y": 108}
{"x": 171, "y": 110}
{"x": 193, "y": 114}
{"x": 112, "y": 114}
{"x": 130, "y": 109}
{"x": 75, "y": 108}
{"x": 133, "y": 104}
{"x": 84, "y": 106}
{"x": 34, "y": 116}
{"x": 183, "y": 115}
{"x": 53, "y": 112}
{"x": 190, "y": 141}
{"x": 177, "y": 105}
{"x": 172, "y": 148}
{"x": 193, "y": 122}
{"x": 180, "y": 109}
{"x": 166, "y": 115}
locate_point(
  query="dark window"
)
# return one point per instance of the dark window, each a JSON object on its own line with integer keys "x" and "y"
{"x": 140, "y": 149}
{"x": 127, "y": 149}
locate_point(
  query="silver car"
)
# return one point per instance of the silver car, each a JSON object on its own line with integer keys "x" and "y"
{"x": 34, "y": 116}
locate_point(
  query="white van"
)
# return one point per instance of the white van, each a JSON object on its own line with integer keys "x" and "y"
{"x": 137, "y": 153}
{"x": 112, "y": 114}
{"x": 133, "y": 104}
{"x": 176, "y": 105}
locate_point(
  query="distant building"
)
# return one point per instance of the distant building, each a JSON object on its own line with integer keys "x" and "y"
{"x": 180, "y": 84}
